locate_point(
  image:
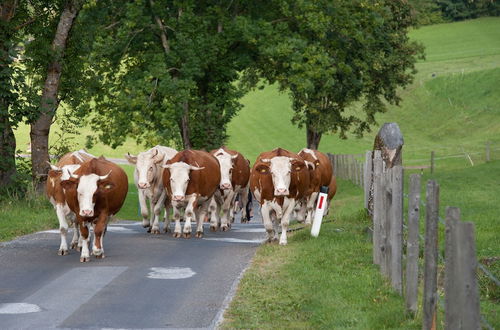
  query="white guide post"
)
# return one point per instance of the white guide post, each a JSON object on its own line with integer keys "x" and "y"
{"x": 320, "y": 209}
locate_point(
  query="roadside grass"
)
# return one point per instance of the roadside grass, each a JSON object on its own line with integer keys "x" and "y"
{"x": 24, "y": 216}
{"x": 327, "y": 282}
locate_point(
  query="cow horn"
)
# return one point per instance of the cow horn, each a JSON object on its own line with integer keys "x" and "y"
{"x": 102, "y": 177}
{"x": 265, "y": 160}
{"x": 53, "y": 167}
{"x": 71, "y": 175}
{"x": 195, "y": 168}
{"x": 234, "y": 156}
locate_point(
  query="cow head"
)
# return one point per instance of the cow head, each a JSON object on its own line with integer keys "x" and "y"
{"x": 280, "y": 168}
{"x": 179, "y": 179}
{"x": 146, "y": 166}
{"x": 226, "y": 167}
{"x": 87, "y": 187}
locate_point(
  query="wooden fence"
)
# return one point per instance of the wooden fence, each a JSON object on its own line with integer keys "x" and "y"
{"x": 461, "y": 294}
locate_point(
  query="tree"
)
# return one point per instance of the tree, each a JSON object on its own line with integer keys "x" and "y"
{"x": 331, "y": 54}
{"x": 166, "y": 72}
{"x": 41, "y": 119}
{"x": 12, "y": 18}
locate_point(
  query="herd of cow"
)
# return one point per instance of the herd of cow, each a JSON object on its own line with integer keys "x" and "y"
{"x": 198, "y": 185}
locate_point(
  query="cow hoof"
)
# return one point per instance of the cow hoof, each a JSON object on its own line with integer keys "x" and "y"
{"x": 187, "y": 235}
{"x": 199, "y": 234}
{"x": 100, "y": 256}
{"x": 225, "y": 228}
{"x": 155, "y": 231}
{"x": 74, "y": 246}
{"x": 213, "y": 228}
{"x": 62, "y": 252}
{"x": 166, "y": 230}
{"x": 177, "y": 235}
{"x": 84, "y": 259}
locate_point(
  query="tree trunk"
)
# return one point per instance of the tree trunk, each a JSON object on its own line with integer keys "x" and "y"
{"x": 313, "y": 138}
{"x": 7, "y": 138}
{"x": 184, "y": 127}
{"x": 40, "y": 129}
{"x": 184, "y": 121}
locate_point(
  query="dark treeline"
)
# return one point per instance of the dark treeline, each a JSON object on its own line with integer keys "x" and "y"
{"x": 440, "y": 11}
{"x": 173, "y": 72}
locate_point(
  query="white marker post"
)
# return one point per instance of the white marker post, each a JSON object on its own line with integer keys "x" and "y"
{"x": 320, "y": 210}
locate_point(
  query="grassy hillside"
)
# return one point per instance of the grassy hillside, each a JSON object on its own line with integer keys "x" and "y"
{"x": 445, "y": 88}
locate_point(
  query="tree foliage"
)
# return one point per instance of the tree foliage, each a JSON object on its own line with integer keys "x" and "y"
{"x": 165, "y": 72}
{"x": 331, "y": 54}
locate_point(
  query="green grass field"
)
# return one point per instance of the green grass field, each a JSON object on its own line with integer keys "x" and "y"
{"x": 452, "y": 108}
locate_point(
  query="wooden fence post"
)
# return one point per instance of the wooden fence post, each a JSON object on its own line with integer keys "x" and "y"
{"x": 451, "y": 297}
{"x": 367, "y": 176}
{"x": 396, "y": 229}
{"x": 412, "y": 249}
{"x": 488, "y": 151}
{"x": 385, "y": 225}
{"x": 378, "y": 205}
{"x": 461, "y": 289}
{"x": 432, "y": 162}
{"x": 467, "y": 266}
{"x": 431, "y": 257}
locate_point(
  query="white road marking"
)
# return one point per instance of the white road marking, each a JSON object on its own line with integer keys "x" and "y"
{"x": 63, "y": 296}
{"x": 250, "y": 230}
{"x": 119, "y": 229}
{"x": 236, "y": 240}
{"x": 170, "y": 273}
{"x": 19, "y": 308}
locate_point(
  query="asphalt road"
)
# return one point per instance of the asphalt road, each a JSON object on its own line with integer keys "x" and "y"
{"x": 145, "y": 282}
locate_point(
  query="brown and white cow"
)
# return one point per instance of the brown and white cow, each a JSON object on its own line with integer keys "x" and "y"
{"x": 235, "y": 174}
{"x": 61, "y": 171}
{"x": 148, "y": 176}
{"x": 278, "y": 179}
{"x": 321, "y": 174}
{"x": 95, "y": 192}
{"x": 191, "y": 178}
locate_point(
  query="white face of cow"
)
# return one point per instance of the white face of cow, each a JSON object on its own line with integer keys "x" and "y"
{"x": 146, "y": 167}
{"x": 280, "y": 170}
{"x": 179, "y": 179}
{"x": 87, "y": 187}
{"x": 226, "y": 168}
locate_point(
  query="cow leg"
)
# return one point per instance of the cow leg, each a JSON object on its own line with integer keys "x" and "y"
{"x": 202, "y": 212}
{"x": 226, "y": 209}
{"x": 288, "y": 206}
{"x": 177, "y": 218}
{"x": 84, "y": 236}
{"x": 63, "y": 229}
{"x": 156, "y": 208}
{"x": 166, "y": 220}
{"x": 189, "y": 216}
{"x": 266, "y": 210}
{"x": 311, "y": 204}
{"x": 245, "y": 217}
{"x": 214, "y": 212}
{"x": 144, "y": 208}
{"x": 302, "y": 210}
{"x": 99, "y": 230}
{"x": 76, "y": 229}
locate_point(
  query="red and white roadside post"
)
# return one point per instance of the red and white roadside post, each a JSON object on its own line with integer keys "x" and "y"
{"x": 320, "y": 210}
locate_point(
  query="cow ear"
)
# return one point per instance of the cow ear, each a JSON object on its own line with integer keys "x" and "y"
{"x": 54, "y": 173}
{"x": 106, "y": 186}
{"x": 262, "y": 169}
{"x": 298, "y": 166}
{"x": 130, "y": 158}
{"x": 69, "y": 184}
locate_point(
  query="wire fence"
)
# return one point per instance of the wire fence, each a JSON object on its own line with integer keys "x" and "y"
{"x": 361, "y": 171}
